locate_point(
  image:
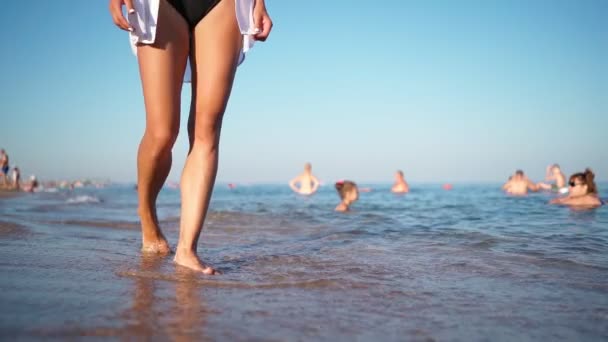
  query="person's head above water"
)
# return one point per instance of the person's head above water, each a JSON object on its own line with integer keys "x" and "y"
{"x": 556, "y": 169}
{"x": 399, "y": 175}
{"x": 519, "y": 174}
{"x": 347, "y": 190}
{"x": 582, "y": 183}
{"x": 307, "y": 167}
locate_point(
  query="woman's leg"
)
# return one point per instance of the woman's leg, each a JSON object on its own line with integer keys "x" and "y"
{"x": 161, "y": 67}
{"x": 215, "y": 50}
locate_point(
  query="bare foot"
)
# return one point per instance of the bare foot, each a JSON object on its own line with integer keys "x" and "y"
{"x": 190, "y": 260}
{"x": 157, "y": 246}
{"x": 153, "y": 240}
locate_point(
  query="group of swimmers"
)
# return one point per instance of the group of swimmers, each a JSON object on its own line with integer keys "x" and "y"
{"x": 307, "y": 184}
{"x": 11, "y": 179}
{"x": 579, "y": 191}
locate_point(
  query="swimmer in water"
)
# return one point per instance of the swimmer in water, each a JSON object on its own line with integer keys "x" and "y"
{"x": 30, "y": 186}
{"x": 400, "y": 186}
{"x": 582, "y": 191}
{"x": 554, "y": 173}
{"x": 348, "y": 193}
{"x": 308, "y": 183}
{"x": 519, "y": 184}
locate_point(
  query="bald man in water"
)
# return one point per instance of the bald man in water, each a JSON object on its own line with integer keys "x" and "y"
{"x": 400, "y": 186}
{"x": 519, "y": 184}
{"x": 308, "y": 184}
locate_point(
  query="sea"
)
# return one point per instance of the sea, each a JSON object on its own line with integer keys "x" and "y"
{"x": 470, "y": 264}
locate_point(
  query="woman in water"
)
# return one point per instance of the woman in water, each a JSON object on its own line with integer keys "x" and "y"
{"x": 582, "y": 191}
{"x": 348, "y": 193}
{"x": 210, "y": 35}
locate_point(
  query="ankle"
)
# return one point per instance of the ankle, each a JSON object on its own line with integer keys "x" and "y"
{"x": 146, "y": 210}
{"x": 185, "y": 250}
{"x": 153, "y": 235}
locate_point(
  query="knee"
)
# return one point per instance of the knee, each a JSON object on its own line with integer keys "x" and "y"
{"x": 162, "y": 140}
{"x": 206, "y": 130}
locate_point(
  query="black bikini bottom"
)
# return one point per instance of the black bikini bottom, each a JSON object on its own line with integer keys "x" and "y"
{"x": 193, "y": 11}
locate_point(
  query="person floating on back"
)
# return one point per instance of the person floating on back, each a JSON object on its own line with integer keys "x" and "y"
{"x": 519, "y": 184}
{"x": 305, "y": 183}
{"x": 582, "y": 191}
{"x": 400, "y": 186}
{"x": 554, "y": 173}
{"x": 348, "y": 193}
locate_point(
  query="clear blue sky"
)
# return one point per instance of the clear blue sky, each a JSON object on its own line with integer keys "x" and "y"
{"x": 445, "y": 90}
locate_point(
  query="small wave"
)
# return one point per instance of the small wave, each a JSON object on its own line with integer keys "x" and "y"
{"x": 99, "y": 224}
{"x": 486, "y": 243}
{"x": 9, "y": 229}
{"x": 83, "y": 199}
{"x": 306, "y": 284}
{"x": 570, "y": 264}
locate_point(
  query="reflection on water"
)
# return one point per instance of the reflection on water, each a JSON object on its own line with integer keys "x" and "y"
{"x": 470, "y": 264}
{"x": 179, "y": 317}
{"x": 146, "y": 315}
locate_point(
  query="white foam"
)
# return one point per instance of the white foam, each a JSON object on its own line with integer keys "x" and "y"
{"x": 83, "y": 199}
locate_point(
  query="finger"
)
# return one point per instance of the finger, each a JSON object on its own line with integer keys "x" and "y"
{"x": 257, "y": 22}
{"x": 112, "y": 8}
{"x": 123, "y": 23}
{"x": 267, "y": 27}
{"x": 129, "y": 5}
{"x": 264, "y": 31}
{"x": 130, "y": 10}
{"x": 120, "y": 22}
{"x": 118, "y": 18}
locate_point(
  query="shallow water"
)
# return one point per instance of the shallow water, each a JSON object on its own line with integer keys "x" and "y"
{"x": 467, "y": 264}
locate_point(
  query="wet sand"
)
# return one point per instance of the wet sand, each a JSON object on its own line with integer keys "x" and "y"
{"x": 11, "y": 230}
{"x": 5, "y": 193}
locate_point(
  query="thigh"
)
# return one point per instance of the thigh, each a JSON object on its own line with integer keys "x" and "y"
{"x": 217, "y": 43}
{"x": 161, "y": 68}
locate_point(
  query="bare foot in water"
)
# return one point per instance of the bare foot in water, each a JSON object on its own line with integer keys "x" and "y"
{"x": 153, "y": 240}
{"x": 190, "y": 260}
{"x": 156, "y": 246}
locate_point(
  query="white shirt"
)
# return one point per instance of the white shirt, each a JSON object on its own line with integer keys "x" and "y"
{"x": 145, "y": 18}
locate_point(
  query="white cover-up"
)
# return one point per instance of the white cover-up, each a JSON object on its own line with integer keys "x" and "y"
{"x": 145, "y": 18}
